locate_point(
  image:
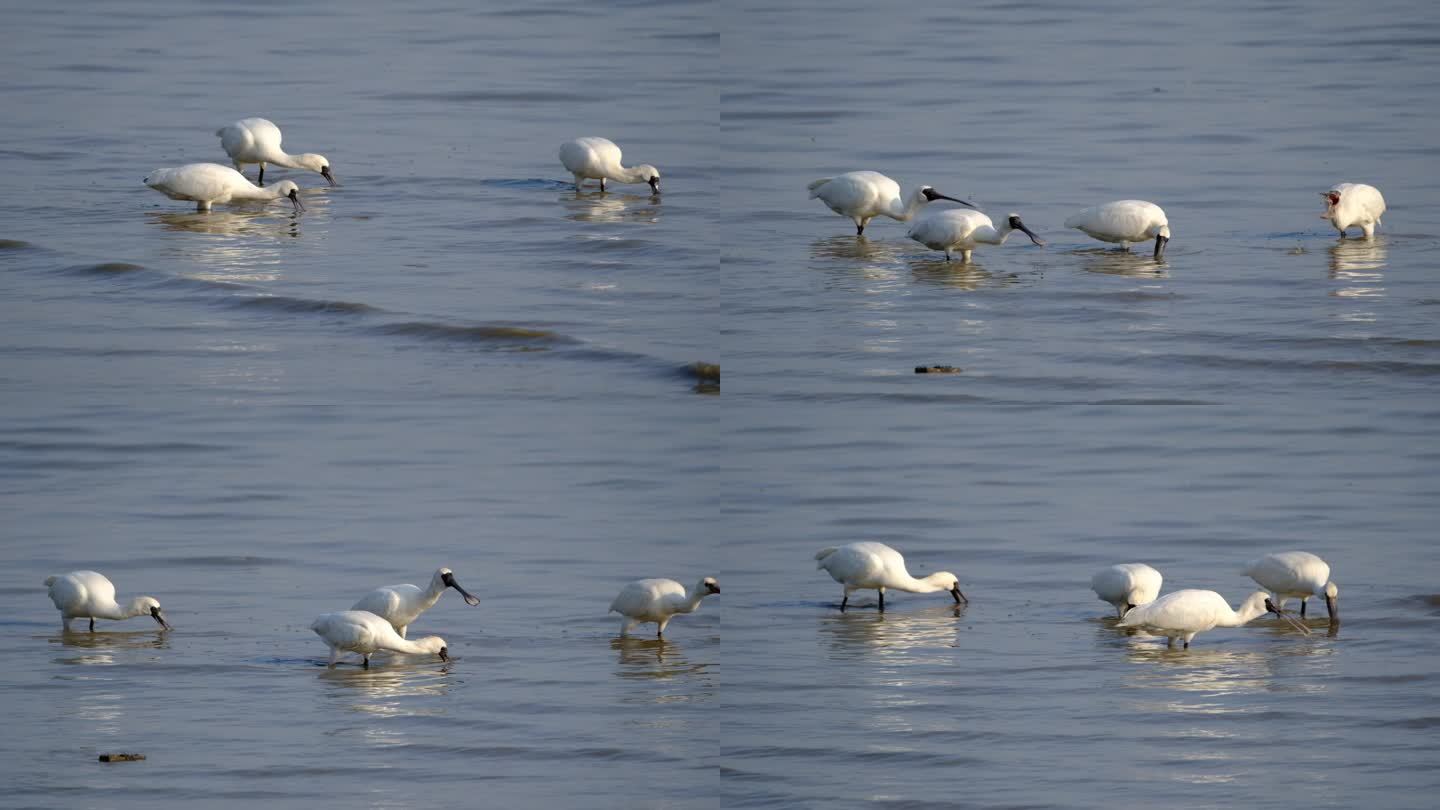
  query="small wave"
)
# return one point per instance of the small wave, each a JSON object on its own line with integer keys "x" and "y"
{"x": 107, "y": 269}
{"x": 284, "y": 303}
{"x": 537, "y": 183}
{"x": 222, "y": 561}
{"x": 476, "y": 334}
{"x": 506, "y": 96}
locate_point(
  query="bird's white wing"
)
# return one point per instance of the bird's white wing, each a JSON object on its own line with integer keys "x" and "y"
{"x": 383, "y": 602}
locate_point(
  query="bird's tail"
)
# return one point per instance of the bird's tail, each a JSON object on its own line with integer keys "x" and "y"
{"x": 1073, "y": 221}
{"x": 49, "y": 581}
{"x": 220, "y": 133}
{"x": 822, "y": 554}
{"x": 815, "y": 192}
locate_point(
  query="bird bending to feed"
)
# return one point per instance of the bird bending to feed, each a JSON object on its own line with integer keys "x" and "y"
{"x": 208, "y": 183}
{"x": 1182, "y": 614}
{"x": 1296, "y": 573}
{"x": 1126, "y": 586}
{"x": 862, "y": 196}
{"x": 876, "y": 566}
{"x": 1126, "y": 222}
{"x": 256, "y": 140}
{"x": 402, "y": 604}
{"x": 1349, "y": 205}
{"x": 658, "y": 600}
{"x": 598, "y": 158}
{"x": 88, "y": 595}
{"x": 363, "y": 632}
{"x": 958, "y": 229}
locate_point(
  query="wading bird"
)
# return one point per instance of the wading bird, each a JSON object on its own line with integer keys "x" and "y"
{"x": 957, "y": 229}
{"x": 876, "y": 566}
{"x": 1182, "y": 614}
{"x": 88, "y": 595}
{"x": 862, "y": 196}
{"x": 598, "y": 158}
{"x": 658, "y": 600}
{"x": 1296, "y": 573}
{"x": 256, "y": 140}
{"x": 208, "y": 183}
{"x": 1126, "y": 222}
{"x": 402, "y": 604}
{"x": 1126, "y": 586}
{"x": 363, "y": 632}
{"x": 1349, "y": 205}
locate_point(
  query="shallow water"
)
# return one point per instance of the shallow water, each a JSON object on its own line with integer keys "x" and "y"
{"x": 454, "y": 359}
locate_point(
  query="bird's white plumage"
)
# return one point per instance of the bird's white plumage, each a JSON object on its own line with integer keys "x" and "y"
{"x": 658, "y": 600}
{"x": 864, "y": 195}
{"x": 875, "y": 566}
{"x": 1126, "y": 585}
{"x": 257, "y": 140}
{"x": 1125, "y": 222}
{"x": 959, "y": 229}
{"x": 90, "y": 595}
{"x": 402, "y": 604}
{"x": 1295, "y": 574}
{"x": 592, "y": 158}
{"x": 1183, "y": 614}
{"x": 1351, "y": 205}
{"x": 363, "y": 632}
{"x": 209, "y": 183}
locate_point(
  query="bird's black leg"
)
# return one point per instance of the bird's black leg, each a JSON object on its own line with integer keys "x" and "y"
{"x": 1302, "y": 607}
{"x": 882, "y": 601}
{"x": 844, "y": 602}
{"x": 859, "y": 230}
{"x": 367, "y": 662}
{"x": 1187, "y": 645}
{"x": 602, "y": 184}
{"x": 261, "y": 181}
{"x": 92, "y": 624}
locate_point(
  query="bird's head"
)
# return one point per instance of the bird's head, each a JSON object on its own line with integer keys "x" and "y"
{"x": 1016, "y": 224}
{"x": 650, "y": 174}
{"x": 316, "y": 163}
{"x": 931, "y": 195}
{"x": 447, "y": 578}
{"x": 290, "y": 191}
{"x": 144, "y": 605}
{"x": 436, "y": 645}
{"x": 709, "y": 585}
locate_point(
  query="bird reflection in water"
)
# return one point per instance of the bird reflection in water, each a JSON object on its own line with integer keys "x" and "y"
{"x": 99, "y": 647}
{"x": 1359, "y": 266}
{"x": 967, "y": 276}
{"x": 258, "y": 223}
{"x": 652, "y": 659}
{"x": 607, "y": 206}
{"x": 385, "y": 689}
{"x": 1121, "y": 263}
{"x": 926, "y": 634}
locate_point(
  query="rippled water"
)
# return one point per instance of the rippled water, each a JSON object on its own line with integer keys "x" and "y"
{"x": 454, "y": 359}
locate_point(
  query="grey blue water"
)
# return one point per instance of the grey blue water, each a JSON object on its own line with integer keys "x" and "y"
{"x": 452, "y": 358}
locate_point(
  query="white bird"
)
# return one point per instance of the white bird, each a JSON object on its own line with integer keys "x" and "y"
{"x": 862, "y": 196}
{"x": 256, "y": 140}
{"x": 1296, "y": 573}
{"x": 958, "y": 229}
{"x": 598, "y": 158}
{"x": 209, "y": 183}
{"x": 402, "y": 604}
{"x": 1126, "y": 222}
{"x": 1126, "y": 586}
{"x": 363, "y": 632}
{"x": 876, "y": 566}
{"x": 88, "y": 595}
{"x": 1348, "y": 205}
{"x": 658, "y": 600}
{"x": 1182, "y": 614}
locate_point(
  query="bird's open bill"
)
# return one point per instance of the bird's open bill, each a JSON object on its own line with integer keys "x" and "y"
{"x": 959, "y": 597}
{"x": 155, "y": 614}
{"x": 1290, "y": 620}
{"x": 444, "y": 654}
{"x": 325, "y": 173}
{"x": 1333, "y": 609}
{"x": 294, "y": 197}
{"x": 654, "y": 185}
{"x": 470, "y": 599}
{"x": 1020, "y": 226}
{"x": 932, "y": 195}
{"x": 1160, "y": 243}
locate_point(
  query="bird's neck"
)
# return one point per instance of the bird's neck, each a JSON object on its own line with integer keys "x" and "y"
{"x": 114, "y": 612}
{"x": 432, "y": 595}
{"x": 925, "y": 585}
{"x": 1247, "y": 612}
{"x": 690, "y": 601}
{"x": 270, "y": 192}
{"x": 998, "y": 234}
{"x": 418, "y": 647}
{"x": 620, "y": 174}
{"x": 278, "y": 157}
{"x": 904, "y": 212}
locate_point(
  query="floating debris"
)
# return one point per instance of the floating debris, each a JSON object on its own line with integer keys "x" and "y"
{"x": 938, "y": 369}
{"x": 121, "y": 757}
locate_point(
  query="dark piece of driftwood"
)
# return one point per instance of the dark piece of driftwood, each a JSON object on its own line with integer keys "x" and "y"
{"x": 121, "y": 757}
{"x": 937, "y": 369}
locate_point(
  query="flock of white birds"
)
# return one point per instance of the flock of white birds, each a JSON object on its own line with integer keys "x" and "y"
{"x": 379, "y": 621}
{"x": 862, "y": 196}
